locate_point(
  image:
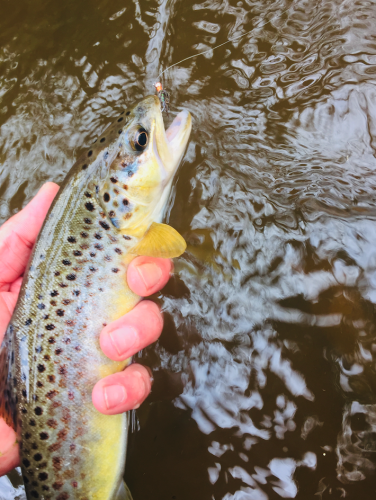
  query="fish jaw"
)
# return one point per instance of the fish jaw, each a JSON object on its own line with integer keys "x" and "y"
{"x": 135, "y": 192}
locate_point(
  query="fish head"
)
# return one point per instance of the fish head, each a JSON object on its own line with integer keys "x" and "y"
{"x": 138, "y": 178}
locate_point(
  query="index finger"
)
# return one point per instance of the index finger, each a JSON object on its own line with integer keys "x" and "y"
{"x": 18, "y": 234}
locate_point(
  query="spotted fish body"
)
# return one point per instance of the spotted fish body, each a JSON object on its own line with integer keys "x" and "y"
{"x": 108, "y": 211}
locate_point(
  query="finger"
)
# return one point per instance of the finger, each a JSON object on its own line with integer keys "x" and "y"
{"x": 7, "y": 304}
{"x": 18, "y": 234}
{"x": 147, "y": 275}
{"x": 9, "y": 454}
{"x": 134, "y": 331}
{"x": 122, "y": 391}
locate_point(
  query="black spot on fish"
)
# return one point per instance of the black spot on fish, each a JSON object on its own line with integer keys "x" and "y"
{"x": 72, "y": 239}
{"x": 41, "y": 306}
{"x": 90, "y": 153}
{"x": 111, "y": 213}
{"x": 120, "y": 119}
{"x": 66, "y": 302}
{"x": 98, "y": 236}
{"x": 117, "y": 250}
{"x": 115, "y": 270}
{"x": 87, "y": 194}
{"x": 71, "y": 277}
{"x": 57, "y": 273}
{"x": 27, "y": 436}
{"x": 51, "y": 340}
{"x": 50, "y": 326}
{"x": 92, "y": 254}
{"x": 106, "y": 197}
{"x": 126, "y": 237}
{"x": 41, "y": 368}
{"x": 24, "y": 393}
{"x": 89, "y": 206}
{"x": 53, "y": 302}
{"x": 77, "y": 253}
{"x": 45, "y": 488}
{"x": 60, "y": 312}
{"x": 46, "y": 316}
{"x": 120, "y": 131}
{"x": 63, "y": 285}
{"x": 43, "y": 475}
{"x": 130, "y": 173}
{"x": 32, "y": 423}
{"x": 103, "y": 139}
{"x": 46, "y": 357}
{"x": 106, "y": 154}
{"x": 58, "y": 351}
{"x": 38, "y": 411}
{"x": 39, "y": 349}
{"x": 125, "y": 202}
{"x": 98, "y": 246}
{"x": 76, "y": 292}
{"x": 87, "y": 221}
{"x": 23, "y": 410}
{"x": 25, "y": 479}
{"x": 38, "y": 457}
{"x": 51, "y": 378}
{"x": 128, "y": 113}
{"x": 34, "y": 494}
{"x": 104, "y": 225}
{"x": 28, "y": 322}
{"x": 84, "y": 167}
{"x": 84, "y": 235}
{"x": 66, "y": 262}
{"x": 93, "y": 269}
{"x": 39, "y": 384}
{"x": 108, "y": 258}
{"x": 113, "y": 180}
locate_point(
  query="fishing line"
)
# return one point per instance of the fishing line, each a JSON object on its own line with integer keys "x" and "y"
{"x": 221, "y": 45}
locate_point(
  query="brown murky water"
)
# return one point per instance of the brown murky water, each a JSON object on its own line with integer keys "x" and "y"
{"x": 265, "y": 375}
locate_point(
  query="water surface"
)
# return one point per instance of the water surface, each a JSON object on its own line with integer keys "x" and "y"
{"x": 265, "y": 375}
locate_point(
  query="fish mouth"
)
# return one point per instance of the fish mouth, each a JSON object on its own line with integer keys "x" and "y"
{"x": 169, "y": 145}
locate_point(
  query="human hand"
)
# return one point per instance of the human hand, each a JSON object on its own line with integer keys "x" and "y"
{"x": 119, "y": 340}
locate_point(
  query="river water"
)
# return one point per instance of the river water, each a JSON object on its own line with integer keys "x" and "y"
{"x": 265, "y": 375}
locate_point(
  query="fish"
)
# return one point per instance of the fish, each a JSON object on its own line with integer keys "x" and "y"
{"x": 109, "y": 210}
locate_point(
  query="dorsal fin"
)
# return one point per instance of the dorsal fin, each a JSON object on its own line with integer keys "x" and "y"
{"x": 161, "y": 240}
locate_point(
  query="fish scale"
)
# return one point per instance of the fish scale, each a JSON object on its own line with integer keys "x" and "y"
{"x": 75, "y": 285}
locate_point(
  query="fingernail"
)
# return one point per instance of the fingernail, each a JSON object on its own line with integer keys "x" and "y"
{"x": 142, "y": 388}
{"x": 114, "y": 395}
{"x": 124, "y": 339}
{"x": 150, "y": 274}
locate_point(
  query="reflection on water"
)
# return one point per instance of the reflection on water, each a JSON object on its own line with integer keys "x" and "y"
{"x": 265, "y": 373}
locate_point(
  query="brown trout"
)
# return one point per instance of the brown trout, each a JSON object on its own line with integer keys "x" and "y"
{"x": 109, "y": 210}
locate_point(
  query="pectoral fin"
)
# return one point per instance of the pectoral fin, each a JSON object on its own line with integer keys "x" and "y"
{"x": 123, "y": 493}
{"x": 161, "y": 240}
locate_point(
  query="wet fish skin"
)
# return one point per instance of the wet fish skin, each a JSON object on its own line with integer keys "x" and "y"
{"x": 76, "y": 284}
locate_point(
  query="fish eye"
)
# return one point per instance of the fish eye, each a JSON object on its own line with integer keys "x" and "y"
{"x": 140, "y": 140}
